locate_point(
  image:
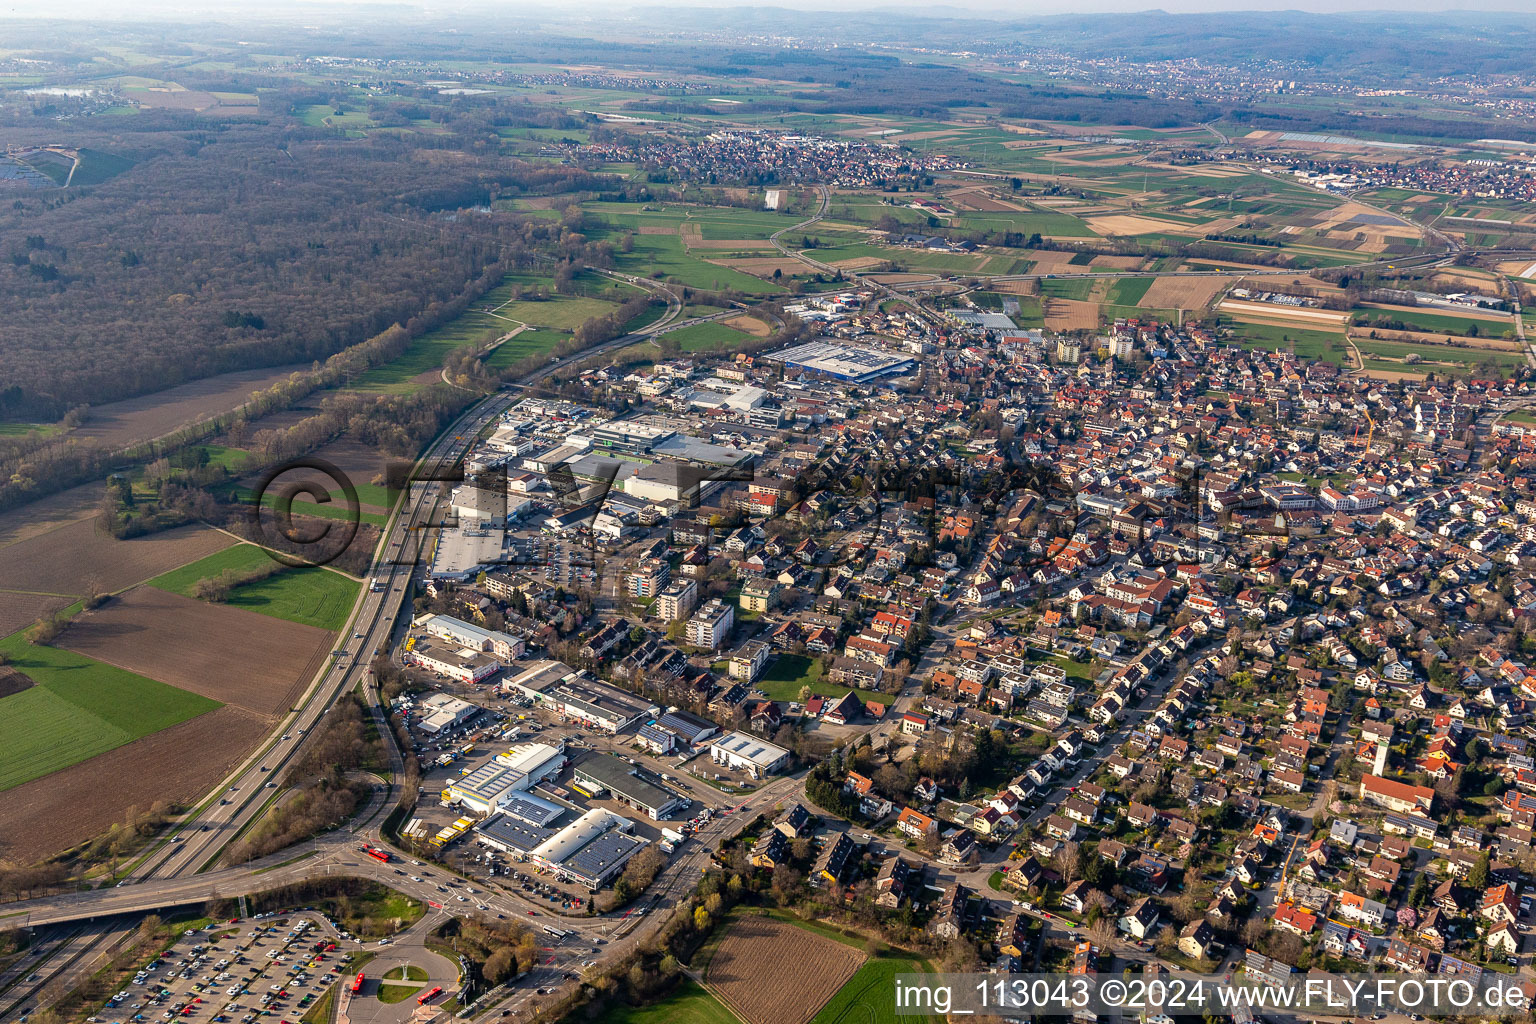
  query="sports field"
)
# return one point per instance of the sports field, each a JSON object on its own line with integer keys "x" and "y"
{"x": 79, "y": 708}
{"x": 309, "y": 596}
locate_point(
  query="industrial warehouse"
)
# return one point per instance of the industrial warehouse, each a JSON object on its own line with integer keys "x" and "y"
{"x": 579, "y": 698}
{"x": 489, "y": 788}
{"x": 590, "y": 850}
{"x": 605, "y": 774}
{"x": 441, "y": 712}
{"x": 450, "y": 660}
{"x": 843, "y": 362}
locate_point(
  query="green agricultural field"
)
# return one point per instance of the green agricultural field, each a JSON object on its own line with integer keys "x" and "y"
{"x": 1465, "y": 358}
{"x": 1324, "y": 345}
{"x": 323, "y": 115}
{"x": 1110, "y": 311}
{"x": 23, "y": 429}
{"x": 664, "y": 255}
{"x": 1129, "y": 291}
{"x": 869, "y": 996}
{"x": 1438, "y": 323}
{"x": 923, "y": 259}
{"x": 79, "y": 708}
{"x": 335, "y": 509}
{"x": 310, "y": 596}
{"x": 232, "y": 459}
{"x": 854, "y": 251}
{"x": 688, "y": 1004}
{"x": 1078, "y": 288}
{"x": 1030, "y": 315}
{"x": 1037, "y": 221}
{"x": 708, "y": 337}
{"x": 650, "y": 316}
{"x": 97, "y": 166}
{"x": 733, "y": 223}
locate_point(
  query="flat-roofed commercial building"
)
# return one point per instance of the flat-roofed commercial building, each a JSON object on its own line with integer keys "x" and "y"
{"x": 602, "y": 774}
{"x": 598, "y": 705}
{"x": 450, "y": 660}
{"x": 593, "y": 849}
{"x": 745, "y": 752}
{"x": 511, "y": 835}
{"x": 843, "y": 362}
{"x": 476, "y": 638}
{"x": 441, "y": 712}
{"x": 579, "y": 697}
{"x": 532, "y": 810}
{"x": 535, "y": 677}
{"x": 489, "y": 788}
{"x": 688, "y": 727}
{"x": 601, "y": 860}
{"x": 629, "y": 437}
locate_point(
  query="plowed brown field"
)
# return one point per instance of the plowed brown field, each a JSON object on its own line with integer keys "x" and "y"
{"x": 180, "y": 764}
{"x": 149, "y": 416}
{"x": 1071, "y": 315}
{"x": 79, "y": 557}
{"x": 252, "y": 661}
{"x": 1183, "y": 292}
{"x": 748, "y": 970}
{"x": 19, "y": 610}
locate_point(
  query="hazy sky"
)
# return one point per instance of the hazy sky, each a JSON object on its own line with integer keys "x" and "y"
{"x": 442, "y": 10}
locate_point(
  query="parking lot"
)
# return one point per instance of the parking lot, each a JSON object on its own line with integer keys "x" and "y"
{"x": 272, "y": 966}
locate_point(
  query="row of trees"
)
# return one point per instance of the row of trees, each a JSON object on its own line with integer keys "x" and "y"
{"x": 325, "y": 796}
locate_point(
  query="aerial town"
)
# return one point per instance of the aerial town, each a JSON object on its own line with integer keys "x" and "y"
{"x": 1261, "y": 632}
{"x": 766, "y": 517}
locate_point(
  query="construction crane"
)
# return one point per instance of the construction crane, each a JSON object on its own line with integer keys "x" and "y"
{"x": 1369, "y": 434}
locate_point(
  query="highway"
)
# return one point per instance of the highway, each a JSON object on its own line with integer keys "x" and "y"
{"x": 191, "y": 846}
{"x": 179, "y": 868}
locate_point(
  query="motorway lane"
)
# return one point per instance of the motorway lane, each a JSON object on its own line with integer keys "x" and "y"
{"x": 196, "y": 841}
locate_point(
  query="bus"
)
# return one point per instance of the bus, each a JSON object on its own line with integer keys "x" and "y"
{"x": 357, "y": 982}
{"x": 377, "y": 854}
{"x": 556, "y": 932}
{"x": 428, "y": 996}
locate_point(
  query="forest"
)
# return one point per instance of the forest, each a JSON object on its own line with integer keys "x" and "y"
{"x": 241, "y": 246}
